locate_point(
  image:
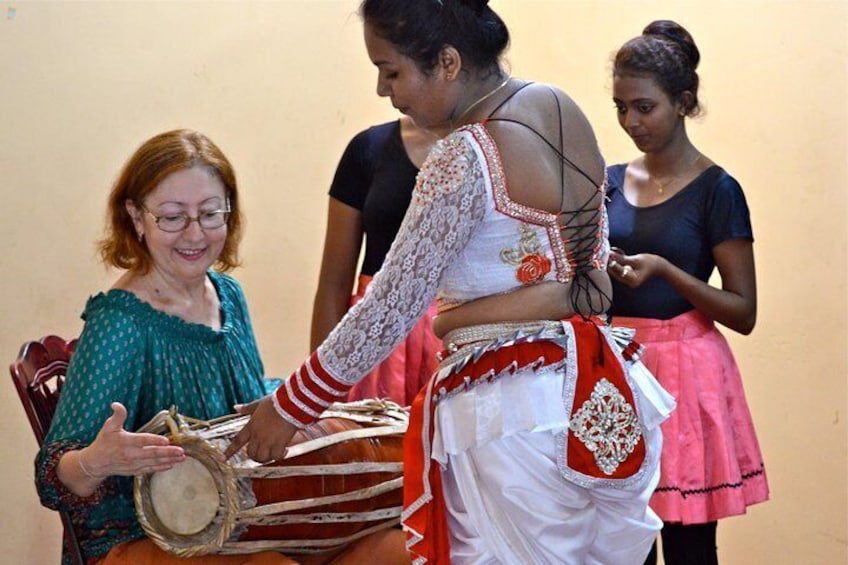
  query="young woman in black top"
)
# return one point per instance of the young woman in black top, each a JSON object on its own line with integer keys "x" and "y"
{"x": 674, "y": 217}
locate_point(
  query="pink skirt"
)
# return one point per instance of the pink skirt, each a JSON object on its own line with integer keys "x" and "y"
{"x": 711, "y": 465}
{"x": 403, "y": 373}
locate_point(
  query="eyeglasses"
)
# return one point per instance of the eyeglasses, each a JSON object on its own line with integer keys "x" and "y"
{"x": 172, "y": 223}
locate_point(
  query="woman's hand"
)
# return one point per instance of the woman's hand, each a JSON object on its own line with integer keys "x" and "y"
{"x": 266, "y": 435}
{"x": 116, "y": 451}
{"x": 733, "y": 305}
{"x": 634, "y": 270}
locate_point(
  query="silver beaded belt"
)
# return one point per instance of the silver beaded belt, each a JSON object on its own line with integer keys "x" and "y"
{"x": 457, "y": 341}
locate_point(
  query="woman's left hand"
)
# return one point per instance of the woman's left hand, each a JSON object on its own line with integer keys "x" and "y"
{"x": 266, "y": 434}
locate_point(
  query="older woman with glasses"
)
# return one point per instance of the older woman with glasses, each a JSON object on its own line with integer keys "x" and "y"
{"x": 170, "y": 331}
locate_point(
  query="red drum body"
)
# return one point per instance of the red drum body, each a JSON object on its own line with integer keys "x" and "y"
{"x": 342, "y": 479}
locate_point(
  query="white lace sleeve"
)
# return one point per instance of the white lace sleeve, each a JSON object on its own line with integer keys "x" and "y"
{"x": 447, "y": 204}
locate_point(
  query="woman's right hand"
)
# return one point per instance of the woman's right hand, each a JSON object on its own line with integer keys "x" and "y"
{"x": 266, "y": 435}
{"x": 633, "y": 270}
{"x": 115, "y": 451}
{"x": 733, "y": 305}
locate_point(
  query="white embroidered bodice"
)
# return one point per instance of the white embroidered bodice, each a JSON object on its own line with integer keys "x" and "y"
{"x": 514, "y": 245}
{"x": 463, "y": 235}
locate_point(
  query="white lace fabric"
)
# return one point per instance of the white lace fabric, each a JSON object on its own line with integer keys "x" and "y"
{"x": 447, "y": 204}
{"x": 451, "y": 240}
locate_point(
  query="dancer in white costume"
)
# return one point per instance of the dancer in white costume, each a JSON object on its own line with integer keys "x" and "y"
{"x": 537, "y": 440}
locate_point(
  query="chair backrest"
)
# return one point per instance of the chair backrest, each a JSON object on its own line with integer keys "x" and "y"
{"x": 38, "y": 374}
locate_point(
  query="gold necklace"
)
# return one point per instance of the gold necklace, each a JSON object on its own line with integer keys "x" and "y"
{"x": 479, "y": 101}
{"x": 661, "y": 186}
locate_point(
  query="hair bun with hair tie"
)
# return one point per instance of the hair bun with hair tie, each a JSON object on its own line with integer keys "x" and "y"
{"x": 665, "y": 28}
{"x": 673, "y": 31}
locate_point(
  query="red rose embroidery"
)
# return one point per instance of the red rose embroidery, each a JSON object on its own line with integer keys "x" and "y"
{"x": 533, "y": 269}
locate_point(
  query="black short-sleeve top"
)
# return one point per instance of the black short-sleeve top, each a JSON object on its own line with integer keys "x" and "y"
{"x": 684, "y": 229}
{"x": 376, "y": 176}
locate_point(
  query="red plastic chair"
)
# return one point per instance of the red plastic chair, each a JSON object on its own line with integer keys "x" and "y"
{"x": 38, "y": 374}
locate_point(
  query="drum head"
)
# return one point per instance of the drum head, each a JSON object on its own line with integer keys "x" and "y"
{"x": 191, "y": 508}
{"x": 185, "y": 498}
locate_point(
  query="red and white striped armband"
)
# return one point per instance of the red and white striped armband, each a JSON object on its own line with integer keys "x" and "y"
{"x": 307, "y": 393}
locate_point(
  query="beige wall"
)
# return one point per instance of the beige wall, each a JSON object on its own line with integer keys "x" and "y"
{"x": 282, "y": 86}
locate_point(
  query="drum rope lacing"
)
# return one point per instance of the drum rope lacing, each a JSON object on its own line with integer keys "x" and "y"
{"x": 383, "y": 418}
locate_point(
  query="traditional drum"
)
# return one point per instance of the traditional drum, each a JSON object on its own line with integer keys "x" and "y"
{"x": 341, "y": 480}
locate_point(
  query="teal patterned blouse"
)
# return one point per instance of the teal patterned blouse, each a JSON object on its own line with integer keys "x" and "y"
{"x": 148, "y": 361}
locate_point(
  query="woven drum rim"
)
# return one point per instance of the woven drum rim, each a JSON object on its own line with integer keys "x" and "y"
{"x": 211, "y": 538}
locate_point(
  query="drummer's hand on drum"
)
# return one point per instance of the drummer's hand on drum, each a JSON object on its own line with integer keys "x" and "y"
{"x": 115, "y": 451}
{"x": 266, "y": 435}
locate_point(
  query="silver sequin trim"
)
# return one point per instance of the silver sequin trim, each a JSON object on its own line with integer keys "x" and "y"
{"x": 314, "y": 376}
{"x": 283, "y": 414}
{"x": 308, "y": 393}
{"x": 295, "y": 400}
